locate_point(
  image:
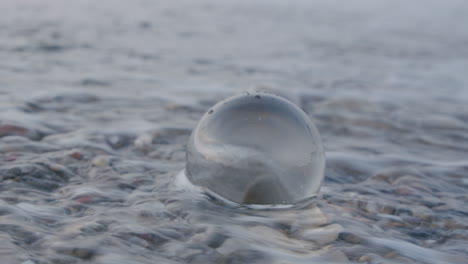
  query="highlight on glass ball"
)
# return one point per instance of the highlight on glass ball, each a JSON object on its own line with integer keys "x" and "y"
{"x": 256, "y": 148}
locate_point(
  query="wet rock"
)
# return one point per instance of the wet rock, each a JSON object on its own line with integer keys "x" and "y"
{"x": 422, "y": 212}
{"x": 322, "y": 235}
{"x": 405, "y": 190}
{"x": 275, "y": 236}
{"x": 92, "y": 228}
{"x": 61, "y": 170}
{"x": 76, "y": 154}
{"x": 20, "y": 130}
{"x": 84, "y": 253}
{"x": 371, "y": 259}
{"x": 432, "y": 202}
{"x": 391, "y": 254}
{"x": 309, "y": 218}
{"x": 119, "y": 141}
{"x": 143, "y": 141}
{"x": 8, "y": 130}
{"x": 101, "y": 161}
{"x": 452, "y": 224}
{"x": 351, "y": 238}
{"x": 213, "y": 238}
{"x": 91, "y": 196}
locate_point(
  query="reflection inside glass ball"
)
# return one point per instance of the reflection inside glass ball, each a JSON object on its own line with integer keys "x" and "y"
{"x": 256, "y": 148}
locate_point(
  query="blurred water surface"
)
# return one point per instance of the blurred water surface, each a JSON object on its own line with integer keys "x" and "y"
{"x": 98, "y": 99}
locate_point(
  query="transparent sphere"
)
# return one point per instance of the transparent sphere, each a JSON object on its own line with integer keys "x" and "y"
{"x": 256, "y": 148}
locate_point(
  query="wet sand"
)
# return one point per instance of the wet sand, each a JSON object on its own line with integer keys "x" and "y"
{"x": 98, "y": 100}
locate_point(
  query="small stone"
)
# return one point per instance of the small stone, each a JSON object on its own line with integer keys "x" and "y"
{"x": 9, "y": 130}
{"x": 370, "y": 258}
{"x": 351, "y": 238}
{"x": 143, "y": 140}
{"x": 422, "y": 212}
{"x": 213, "y": 238}
{"x": 100, "y": 161}
{"x": 311, "y": 218}
{"x": 90, "y": 197}
{"x": 118, "y": 141}
{"x": 323, "y": 235}
{"x": 364, "y": 259}
{"x": 76, "y": 155}
{"x": 387, "y": 209}
{"x": 336, "y": 256}
{"x": 392, "y": 254}
{"x": 453, "y": 224}
{"x": 395, "y": 224}
{"x": 404, "y": 190}
{"x": 82, "y": 253}
{"x": 58, "y": 168}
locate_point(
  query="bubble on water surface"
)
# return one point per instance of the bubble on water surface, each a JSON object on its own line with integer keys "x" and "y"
{"x": 256, "y": 148}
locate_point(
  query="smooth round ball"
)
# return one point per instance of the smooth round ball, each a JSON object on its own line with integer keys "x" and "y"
{"x": 256, "y": 148}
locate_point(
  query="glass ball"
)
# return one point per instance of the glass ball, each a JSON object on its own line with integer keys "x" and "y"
{"x": 256, "y": 148}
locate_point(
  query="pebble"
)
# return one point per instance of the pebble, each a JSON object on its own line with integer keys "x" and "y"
{"x": 143, "y": 140}
{"x": 101, "y": 161}
{"x": 452, "y": 224}
{"x": 322, "y": 235}
{"x": 76, "y": 154}
{"x": 19, "y": 130}
{"x": 391, "y": 254}
{"x": 371, "y": 258}
{"x": 350, "y": 237}
{"x": 213, "y": 237}
{"x": 119, "y": 141}
{"x": 308, "y": 218}
{"x": 84, "y": 253}
{"x": 91, "y": 197}
{"x": 9, "y": 130}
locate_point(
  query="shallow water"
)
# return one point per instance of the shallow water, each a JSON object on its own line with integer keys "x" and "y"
{"x": 98, "y": 99}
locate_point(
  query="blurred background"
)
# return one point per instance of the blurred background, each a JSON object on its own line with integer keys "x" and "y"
{"x": 146, "y": 48}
